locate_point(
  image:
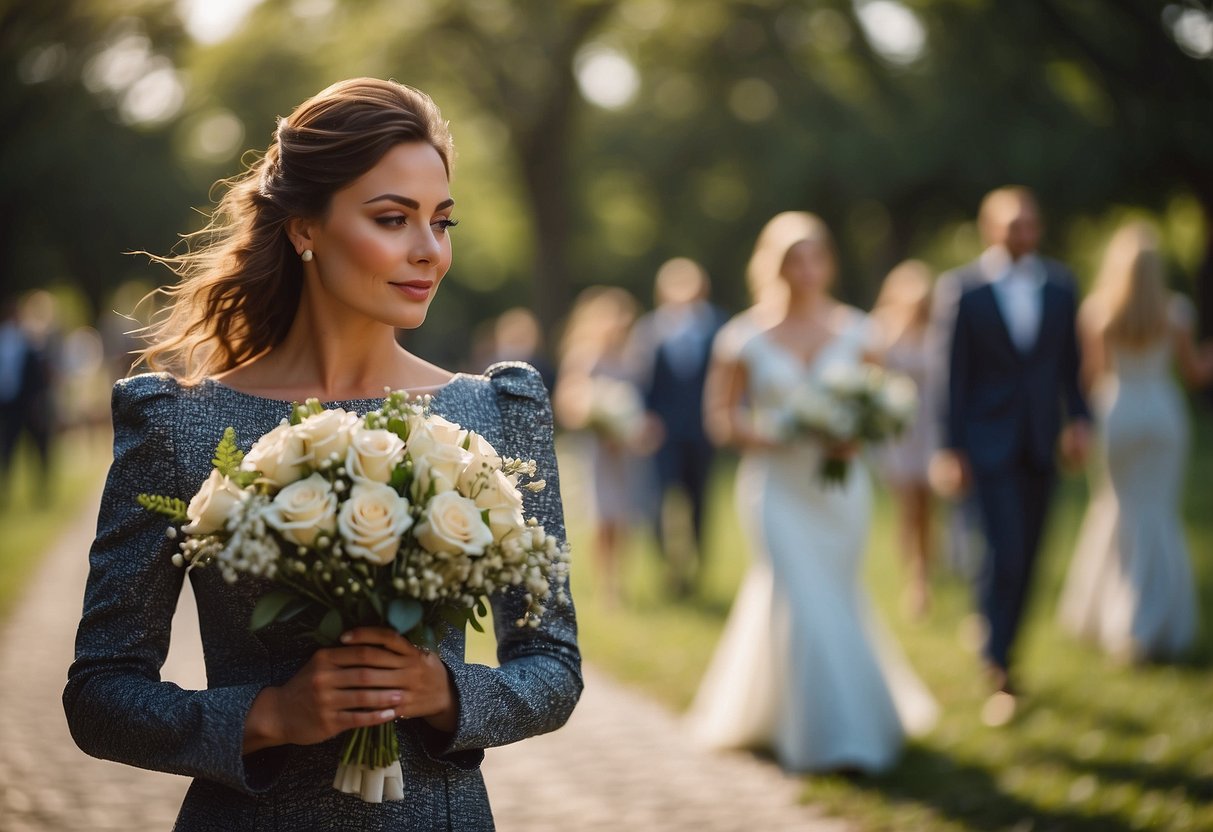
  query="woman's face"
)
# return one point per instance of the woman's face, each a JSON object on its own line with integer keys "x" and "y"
{"x": 808, "y": 268}
{"x": 384, "y": 245}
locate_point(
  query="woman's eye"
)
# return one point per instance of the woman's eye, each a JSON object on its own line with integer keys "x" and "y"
{"x": 445, "y": 225}
{"x": 393, "y": 221}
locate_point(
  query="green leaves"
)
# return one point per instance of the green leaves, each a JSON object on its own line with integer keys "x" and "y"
{"x": 227, "y": 459}
{"x": 404, "y": 614}
{"x": 269, "y": 607}
{"x": 171, "y": 507}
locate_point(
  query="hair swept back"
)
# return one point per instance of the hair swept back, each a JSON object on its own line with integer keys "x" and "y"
{"x": 240, "y": 279}
{"x": 1130, "y": 301}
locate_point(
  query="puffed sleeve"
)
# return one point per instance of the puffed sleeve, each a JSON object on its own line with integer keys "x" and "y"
{"x": 538, "y": 682}
{"x": 117, "y": 707}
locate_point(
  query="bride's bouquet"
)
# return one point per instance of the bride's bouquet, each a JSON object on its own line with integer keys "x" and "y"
{"x": 397, "y": 518}
{"x": 851, "y": 404}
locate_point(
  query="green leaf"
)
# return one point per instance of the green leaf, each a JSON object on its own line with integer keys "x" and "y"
{"x": 404, "y": 614}
{"x": 475, "y": 622}
{"x": 269, "y": 606}
{"x": 171, "y": 507}
{"x": 330, "y": 627}
{"x": 399, "y": 427}
{"x": 228, "y": 455}
{"x": 293, "y": 609}
{"x": 481, "y": 609}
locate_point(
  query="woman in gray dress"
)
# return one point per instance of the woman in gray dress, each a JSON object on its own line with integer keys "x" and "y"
{"x": 1130, "y": 587}
{"x": 329, "y": 243}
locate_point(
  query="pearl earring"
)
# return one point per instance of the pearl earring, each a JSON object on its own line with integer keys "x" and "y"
{"x": 307, "y": 255}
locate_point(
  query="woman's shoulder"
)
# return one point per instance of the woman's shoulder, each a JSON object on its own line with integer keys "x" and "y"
{"x": 141, "y": 394}
{"x": 516, "y": 379}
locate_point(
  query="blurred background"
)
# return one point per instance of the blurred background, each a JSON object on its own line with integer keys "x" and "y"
{"x": 596, "y": 140}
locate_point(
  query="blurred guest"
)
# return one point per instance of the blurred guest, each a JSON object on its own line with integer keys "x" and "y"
{"x": 670, "y": 347}
{"x": 1013, "y": 371}
{"x": 28, "y": 404}
{"x": 516, "y": 336}
{"x": 595, "y": 393}
{"x": 1130, "y": 587}
{"x": 903, "y": 312}
{"x": 801, "y": 668}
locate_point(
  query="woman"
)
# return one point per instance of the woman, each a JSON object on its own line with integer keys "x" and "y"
{"x": 335, "y": 238}
{"x": 1130, "y": 587}
{"x": 799, "y": 669}
{"x": 903, "y": 313}
{"x": 595, "y": 392}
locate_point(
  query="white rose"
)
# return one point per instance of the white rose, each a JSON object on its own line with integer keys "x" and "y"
{"x": 453, "y": 525}
{"x": 279, "y": 456}
{"x": 501, "y": 498}
{"x": 372, "y": 520}
{"x": 434, "y": 429}
{"x": 303, "y": 510}
{"x": 326, "y": 433}
{"x": 213, "y": 504}
{"x": 436, "y": 464}
{"x": 373, "y": 455}
{"x": 484, "y": 460}
{"x": 900, "y": 397}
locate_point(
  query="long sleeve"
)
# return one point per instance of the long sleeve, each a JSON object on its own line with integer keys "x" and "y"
{"x": 1075, "y": 401}
{"x": 944, "y": 300}
{"x": 957, "y": 380}
{"x": 539, "y": 678}
{"x": 117, "y": 707}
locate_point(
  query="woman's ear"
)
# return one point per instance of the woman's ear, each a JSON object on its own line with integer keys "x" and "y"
{"x": 299, "y": 232}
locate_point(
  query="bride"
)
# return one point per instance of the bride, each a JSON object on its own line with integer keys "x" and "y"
{"x": 802, "y": 668}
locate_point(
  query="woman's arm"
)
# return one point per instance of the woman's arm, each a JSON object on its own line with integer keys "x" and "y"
{"x": 1195, "y": 362}
{"x": 538, "y": 680}
{"x": 116, "y": 706}
{"x": 1094, "y": 350}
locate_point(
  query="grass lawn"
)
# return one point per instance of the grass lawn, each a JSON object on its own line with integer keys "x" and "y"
{"x": 1095, "y": 746}
{"x": 29, "y": 522}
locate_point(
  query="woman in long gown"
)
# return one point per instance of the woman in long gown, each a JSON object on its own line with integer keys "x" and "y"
{"x": 1130, "y": 587}
{"x": 335, "y": 238}
{"x": 801, "y": 668}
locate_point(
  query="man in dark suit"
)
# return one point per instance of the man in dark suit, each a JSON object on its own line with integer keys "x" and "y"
{"x": 1012, "y": 390}
{"x": 670, "y": 348}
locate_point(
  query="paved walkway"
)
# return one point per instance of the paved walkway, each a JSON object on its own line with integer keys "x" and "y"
{"x": 621, "y": 762}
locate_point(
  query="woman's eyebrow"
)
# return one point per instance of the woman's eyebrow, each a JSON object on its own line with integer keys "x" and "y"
{"x": 408, "y": 202}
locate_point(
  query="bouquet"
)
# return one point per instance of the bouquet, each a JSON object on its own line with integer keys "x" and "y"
{"x": 397, "y": 518}
{"x": 616, "y": 411}
{"x": 850, "y": 404}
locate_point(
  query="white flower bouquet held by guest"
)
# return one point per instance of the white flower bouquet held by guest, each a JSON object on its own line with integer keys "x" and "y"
{"x": 391, "y": 520}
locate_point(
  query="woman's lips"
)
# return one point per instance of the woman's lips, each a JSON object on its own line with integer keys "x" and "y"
{"x": 417, "y": 290}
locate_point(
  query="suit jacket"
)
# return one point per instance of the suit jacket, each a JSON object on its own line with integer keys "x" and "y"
{"x": 1004, "y": 406}
{"x": 676, "y": 398}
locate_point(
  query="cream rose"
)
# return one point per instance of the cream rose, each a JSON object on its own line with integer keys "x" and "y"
{"x": 500, "y": 497}
{"x": 453, "y": 526}
{"x": 436, "y": 464}
{"x": 213, "y": 504}
{"x": 373, "y": 454}
{"x": 483, "y": 461}
{"x": 436, "y": 429}
{"x": 279, "y": 456}
{"x": 327, "y": 433}
{"x": 303, "y": 510}
{"x": 372, "y": 520}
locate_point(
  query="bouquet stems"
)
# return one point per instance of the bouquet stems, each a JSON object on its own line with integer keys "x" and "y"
{"x": 370, "y": 764}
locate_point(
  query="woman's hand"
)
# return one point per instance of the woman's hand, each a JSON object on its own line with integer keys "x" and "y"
{"x": 376, "y": 676}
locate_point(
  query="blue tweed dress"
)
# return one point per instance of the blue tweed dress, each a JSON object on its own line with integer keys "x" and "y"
{"x": 118, "y": 709}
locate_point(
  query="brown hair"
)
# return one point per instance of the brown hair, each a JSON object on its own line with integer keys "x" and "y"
{"x": 240, "y": 281}
{"x": 777, "y": 237}
{"x": 1130, "y": 300}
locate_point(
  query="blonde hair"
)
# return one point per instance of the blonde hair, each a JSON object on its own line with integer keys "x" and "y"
{"x": 904, "y": 300}
{"x": 781, "y": 232}
{"x": 600, "y": 320}
{"x": 240, "y": 280}
{"x": 1130, "y": 300}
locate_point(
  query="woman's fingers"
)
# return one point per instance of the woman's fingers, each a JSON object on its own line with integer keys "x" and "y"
{"x": 381, "y": 637}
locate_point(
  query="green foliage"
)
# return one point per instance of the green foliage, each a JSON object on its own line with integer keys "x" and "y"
{"x": 270, "y": 606}
{"x": 173, "y": 508}
{"x": 403, "y": 614}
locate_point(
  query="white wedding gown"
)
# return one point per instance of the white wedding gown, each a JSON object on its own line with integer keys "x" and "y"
{"x": 803, "y": 668}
